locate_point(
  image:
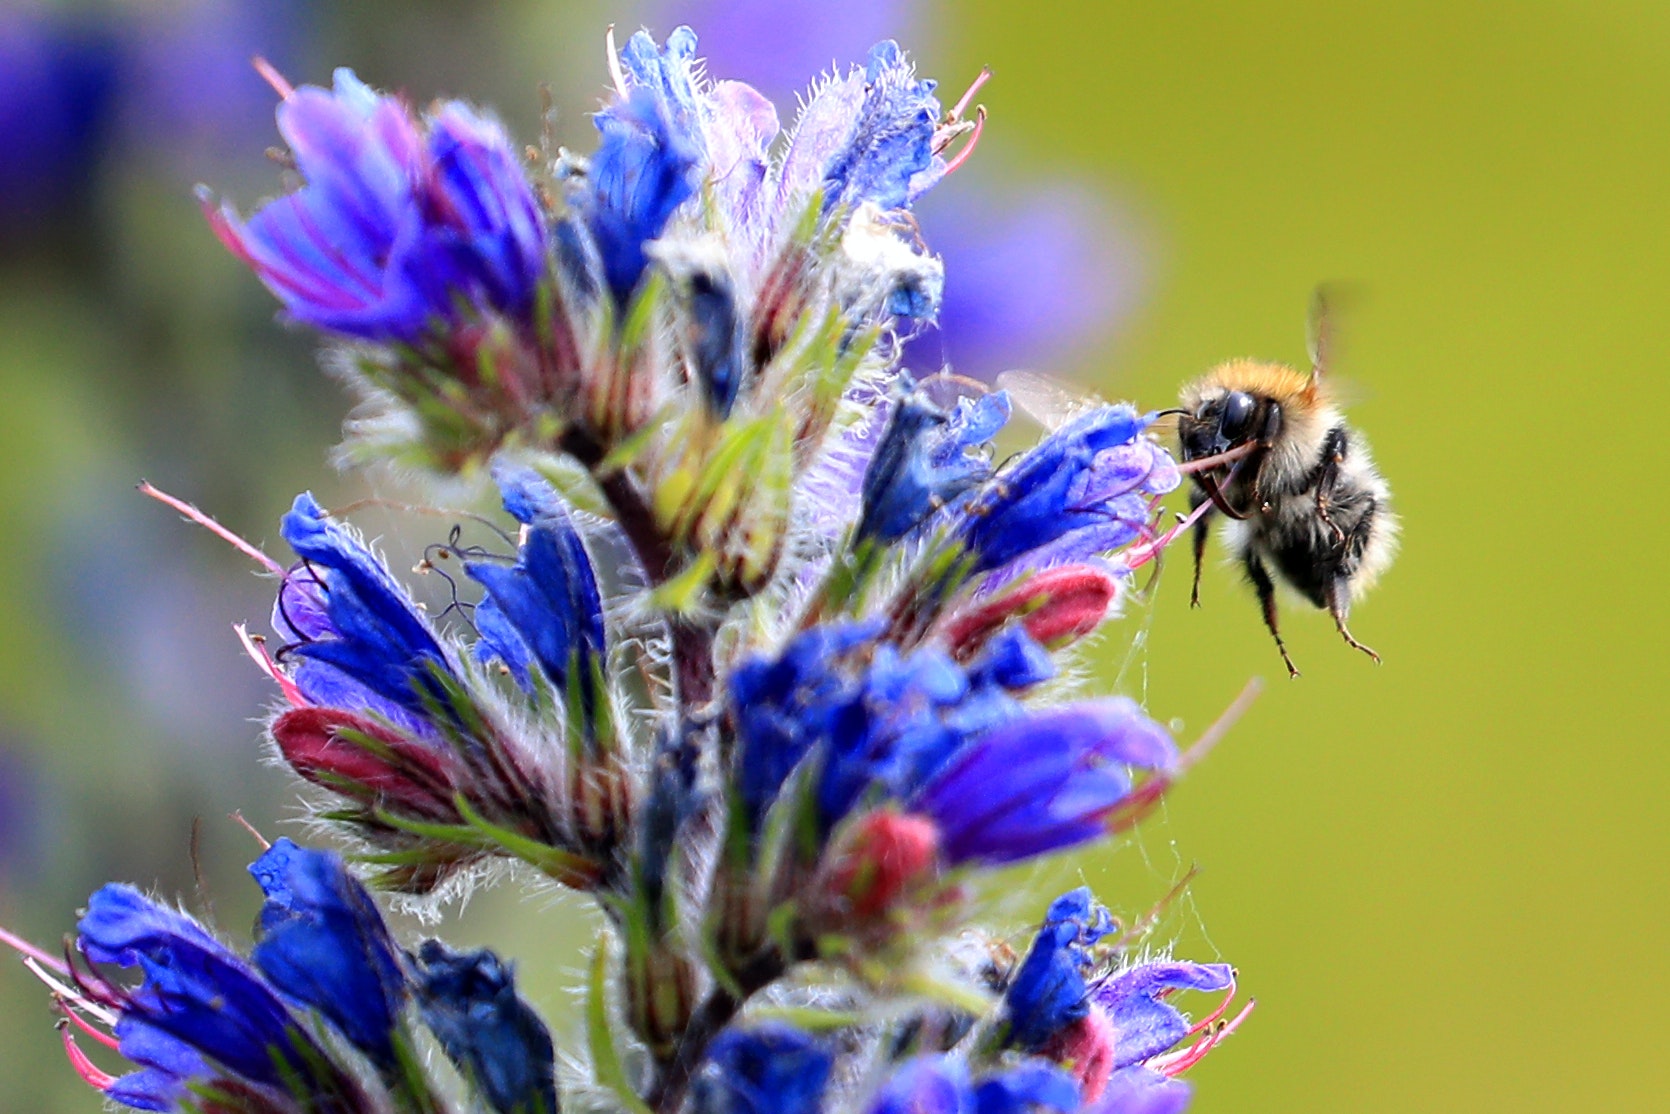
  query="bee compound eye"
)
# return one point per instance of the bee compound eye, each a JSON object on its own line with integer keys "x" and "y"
{"x": 1237, "y": 415}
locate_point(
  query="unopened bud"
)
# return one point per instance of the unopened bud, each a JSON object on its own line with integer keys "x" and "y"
{"x": 356, "y": 757}
{"x": 877, "y": 862}
{"x": 1057, "y": 607}
{"x": 660, "y": 994}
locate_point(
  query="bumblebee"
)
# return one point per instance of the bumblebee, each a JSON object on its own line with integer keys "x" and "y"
{"x": 1300, "y": 500}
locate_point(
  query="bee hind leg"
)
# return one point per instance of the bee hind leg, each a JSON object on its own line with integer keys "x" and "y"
{"x": 1266, "y": 589}
{"x": 1338, "y": 594}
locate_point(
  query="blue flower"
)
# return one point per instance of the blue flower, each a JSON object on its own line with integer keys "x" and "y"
{"x": 1050, "y": 991}
{"x": 1082, "y": 491}
{"x": 941, "y": 1085}
{"x": 323, "y": 943}
{"x": 469, "y": 1001}
{"x": 1041, "y": 782}
{"x": 642, "y": 172}
{"x": 198, "y": 1000}
{"x": 544, "y": 610}
{"x": 867, "y": 137}
{"x": 359, "y": 622}
{"x": 400, "y": 223}
{"x": 166, "y": 1066}
{"x": 766, "y": 1069}
{"x": 879, "y": 723}
{"x": 785, "y": 705}
{"x": 926, "y": 460}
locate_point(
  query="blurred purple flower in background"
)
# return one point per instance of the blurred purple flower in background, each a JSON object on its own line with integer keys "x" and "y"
{"x": 170, "y": 83}
{"x": 58, "y": 74}
{"x": 189, "y": 86}
{"x": 1083, "y": 277}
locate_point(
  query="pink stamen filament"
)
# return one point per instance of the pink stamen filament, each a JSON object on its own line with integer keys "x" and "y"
{"x": 1138, "y": 556}
{"x": 1176, "y": 1063}
{"x": 258, "y": 652}
{"x": 962, "y": 156}
{"x": 192, "y": 514}
{"x": 87, "y": 1027}
{"x": 70, "y": 996}
{"x": 239, "y": 819}
{"x": 30, "y": 951}
{"x": 1211, "y": 1019}
{"x": 270, "y": 74}
{"x": 91, "y": 1074}
{"x": 1220, "y": 727}
{"x": 963, "y": 102}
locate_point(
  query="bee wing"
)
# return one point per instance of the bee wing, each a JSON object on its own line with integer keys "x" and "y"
{"x": 945, "y": 389}
{"x": 1321, "y": 324}
{"x": 1049, "y": 402}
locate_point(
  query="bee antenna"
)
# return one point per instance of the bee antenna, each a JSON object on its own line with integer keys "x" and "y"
{"x": 1171, "y": 411}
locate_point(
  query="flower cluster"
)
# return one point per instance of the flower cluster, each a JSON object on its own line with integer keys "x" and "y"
{"x": 763, "y": 658}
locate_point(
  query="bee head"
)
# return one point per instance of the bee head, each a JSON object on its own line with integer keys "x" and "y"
{"x": 1218, "y": 423}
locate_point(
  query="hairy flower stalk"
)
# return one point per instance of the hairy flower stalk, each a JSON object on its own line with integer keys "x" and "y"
{"x": 763, "y": 654}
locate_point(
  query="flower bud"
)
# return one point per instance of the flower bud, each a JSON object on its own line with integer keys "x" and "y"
{"x": 875, "y": 863}
{"x": 352, "y": 755}
{"x": 660, "y": 994}
{"x": 1057, "y": 607}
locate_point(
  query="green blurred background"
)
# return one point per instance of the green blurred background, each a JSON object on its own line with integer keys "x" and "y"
{"x": 1444, "y": 878}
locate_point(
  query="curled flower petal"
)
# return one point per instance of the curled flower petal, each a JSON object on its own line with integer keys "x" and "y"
{"x": 324, "y": 943}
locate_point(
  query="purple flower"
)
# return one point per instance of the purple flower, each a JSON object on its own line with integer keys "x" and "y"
{"x": 1041, "y": 782}
{"x": 1032, "y": 275}
{"x": 191, "y": 91}
{"x": 776, "y": 46}
{"x": 469, "y": 1001}
{"x": 58, "y": 80}
{"x": 400, "y": 223}
{"x": 766, "y": 1069}
{"x": 1144, "y": 1025}
{"x": 1141, "y": 1091}
{"x": 323, "y": 943}
{"x": 1081, "y": 276}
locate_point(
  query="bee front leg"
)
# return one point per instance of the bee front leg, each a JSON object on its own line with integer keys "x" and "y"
{"x": 1334, "y": 448}
{"x": 1266, "y": 589}
{"x": 1198, "y": 535}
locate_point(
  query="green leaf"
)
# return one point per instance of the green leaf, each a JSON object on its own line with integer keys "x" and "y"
{"x": 600, "y": 1035}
